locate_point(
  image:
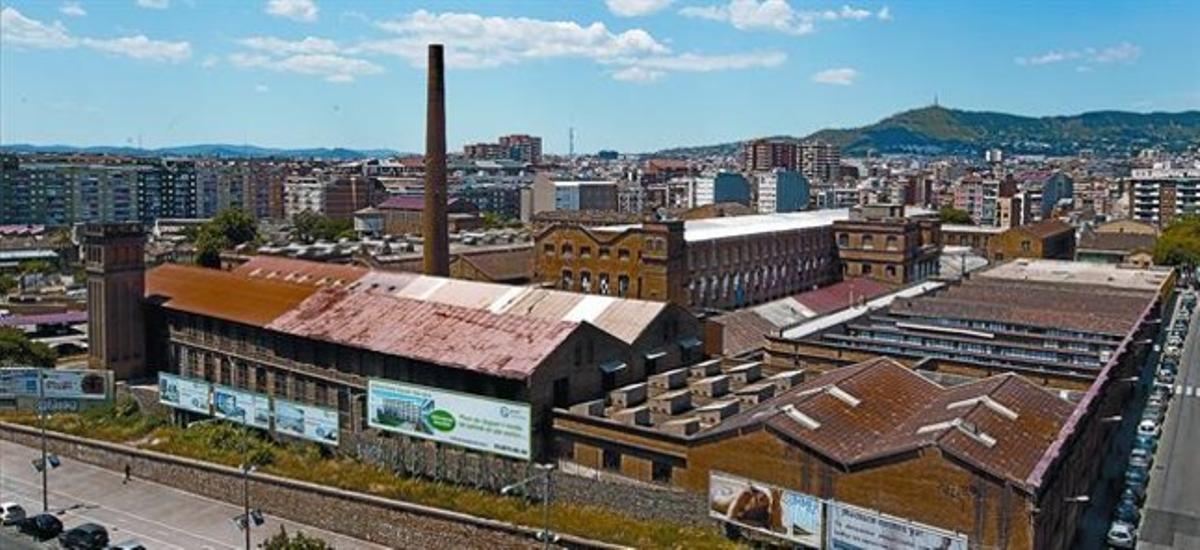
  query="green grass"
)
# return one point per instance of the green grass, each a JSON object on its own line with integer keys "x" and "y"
{"x": 224, "y": 443}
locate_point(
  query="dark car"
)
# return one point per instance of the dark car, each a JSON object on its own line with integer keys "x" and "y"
{"x": 89, "y": 536}
{"x": 41, "y": 526}
{"x": 1128, "y": 512}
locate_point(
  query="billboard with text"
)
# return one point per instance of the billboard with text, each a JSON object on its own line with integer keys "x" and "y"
{"x": 471, "y": 421}
{"x": 184, "y": 393}
{"x": 243, "y": 407}
{"x": 306, "y": 421}
{"x": 59, "y": 384}
{"x": 854, "y": 528}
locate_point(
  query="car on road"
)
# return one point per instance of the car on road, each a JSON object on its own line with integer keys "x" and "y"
{"x": 1148, "y": 428}
{"x": 1128, "y": 513}
{"x": 131, "y": 544}
{"x": 89, "y": 536}
{"x": 41, "y": 526}
{"x": 1122, "y": 535}
{"x": 11, "y": 513}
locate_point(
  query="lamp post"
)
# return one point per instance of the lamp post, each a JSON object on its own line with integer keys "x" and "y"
{"x": 249, "y": 518}
{"x": 544, "y": 476}
{"x": 48, "y": 460}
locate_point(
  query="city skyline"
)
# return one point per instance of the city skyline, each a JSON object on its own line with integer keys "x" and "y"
{"x": 628, "y": 75}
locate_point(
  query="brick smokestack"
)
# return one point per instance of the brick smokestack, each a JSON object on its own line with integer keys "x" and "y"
{"x": 433, "y": 222}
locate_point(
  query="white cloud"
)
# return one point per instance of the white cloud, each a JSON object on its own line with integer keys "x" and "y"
{"x": 1119, "y": 53}
{"x": 261, "y": 88}
{"x": 637, "y": 74}
{"x": 154, "y": 4}
{"x": 279, "y": 46}
{"x": 298, "y": 10}
{"x": 635, "y": 8}
{"x": 331, "y": 67}
{"x": 474, "y": 41}
{"x": 72, "y": 9}
{"x": 884, "y": 14}
{"x": 842, "y": 76}
{"x": 776, "y": 15}
{"x": 210, "y": 62}
{"x": 22, "y": 32}
{"x": 142, "y": 47}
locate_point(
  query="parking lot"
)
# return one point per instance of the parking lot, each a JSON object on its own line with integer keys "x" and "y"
{"x": 156, "y": 515}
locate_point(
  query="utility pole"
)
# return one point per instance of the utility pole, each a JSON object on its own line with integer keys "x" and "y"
{"x": 42, "y": 420}
{"x": 544, "y": 476}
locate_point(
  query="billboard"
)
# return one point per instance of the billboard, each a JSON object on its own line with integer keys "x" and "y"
{"x": 305, "y": 421}
{"x": 764, "y": 508}
{"x": 471, "y": 421}
{"x": 854, "y": 528}
{"x": 59, "y": 384}
{"x": 243, "y": 407}
{"x": 183, "y": 393}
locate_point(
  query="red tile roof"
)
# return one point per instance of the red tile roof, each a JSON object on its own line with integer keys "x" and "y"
{"x": 843, "y": 294}
{"x": 223, "y": 295}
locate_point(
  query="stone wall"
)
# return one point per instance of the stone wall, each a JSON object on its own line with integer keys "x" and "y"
{"x": 644, "y": 501}
{"x": 383, "y": 521}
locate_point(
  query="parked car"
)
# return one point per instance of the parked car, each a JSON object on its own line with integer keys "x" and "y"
{"x": 1122, "y": 535}
{"x": 11, "y": 513}
{"x": 1128, "y": 513}
{"x": 1166, "y": 377}
{"x": 1136, "y": 477}
{"x": 1131, "y": 495}
{"x": 1146, "y": 442}
{"x": 1138, "y": 491}
{"x": 131, "y": 544}
{"x": 1148, "y": 428}
{"x": 41, "y": 526}
{"x": 89, "y": 536}
{"x": 1139, "y": 462}
{"x": 1153, "y": 412}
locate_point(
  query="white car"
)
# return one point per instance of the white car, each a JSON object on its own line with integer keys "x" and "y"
{"x": 11, "y": 513}
{"x": 1148, "y": 428}
{"x": 1122, "y": 535}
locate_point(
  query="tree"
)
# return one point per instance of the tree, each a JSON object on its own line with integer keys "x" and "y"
{"x": 18, "y": 350}
{"x": 7, "y": 284}
{"x": 1179, "y": 243}
{"x": 298, "y": 541}
{"x": 309, "y": 227}
{"x": 43, "y": 267}
{"x": 229, "y": 228}
{"x": 955, "y": 216}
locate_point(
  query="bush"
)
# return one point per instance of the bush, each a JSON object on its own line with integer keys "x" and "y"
{"x": 299, "y": 541}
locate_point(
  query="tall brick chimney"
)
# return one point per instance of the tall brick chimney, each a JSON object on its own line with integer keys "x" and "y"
{"x": 433, "y": 221}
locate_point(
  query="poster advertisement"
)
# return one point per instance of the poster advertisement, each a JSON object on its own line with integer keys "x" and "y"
{"x": 765, "y": 508}
{"x": 854, "y": 528}
{"x": 76, "y": 384}
{"x": 305, "y": 421}
{"x": 183, "y": 393}
{"x": 60, "y": 384}
{"x": 481, "y": 423}
{"x": 243, "y": 407}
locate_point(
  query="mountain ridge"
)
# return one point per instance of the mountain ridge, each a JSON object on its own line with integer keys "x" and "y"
{"x": 213, "y": 150}
{"x": 936, "y": 130}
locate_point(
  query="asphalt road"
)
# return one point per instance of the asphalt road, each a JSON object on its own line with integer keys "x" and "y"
{"x": 160, "y": 517}
{"x": 1171, "y": 516}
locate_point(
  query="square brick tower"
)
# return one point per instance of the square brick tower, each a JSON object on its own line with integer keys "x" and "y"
{"x": 116, "y": 271}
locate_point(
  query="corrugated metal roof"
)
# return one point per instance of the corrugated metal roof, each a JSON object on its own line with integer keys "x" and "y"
{"x": 224, "y": 295}
{"x": 501, "y": 345}
{"x": 63, "y": 318}
{"x": 300, "y": 271}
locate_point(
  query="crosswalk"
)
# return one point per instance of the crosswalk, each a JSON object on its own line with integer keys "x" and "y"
{"x": 1187, "y": 391}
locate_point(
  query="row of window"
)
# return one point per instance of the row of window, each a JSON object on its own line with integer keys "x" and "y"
{"x": 568, "y": 252}
{"x": 602, "y": 284}
{"x": 867, "y": 242}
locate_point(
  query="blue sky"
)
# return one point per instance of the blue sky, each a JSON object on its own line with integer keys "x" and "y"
{"x": 632, "y": 75}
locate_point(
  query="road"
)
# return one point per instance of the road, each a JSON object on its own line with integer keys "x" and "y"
{"x": 157, "y": 515}
{"x": 1171, "y": 516}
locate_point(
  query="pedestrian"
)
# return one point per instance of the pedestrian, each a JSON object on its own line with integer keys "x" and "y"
{"x": 127, "y": 473}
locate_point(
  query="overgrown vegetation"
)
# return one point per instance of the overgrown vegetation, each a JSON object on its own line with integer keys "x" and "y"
{"x": 298, "y": 541}
{"x": 229, "y": 444}
{"x": 955, "y": 215}
{"x": 1179, "y": 243}
{"x": 17, "y": 350}
{"x": 310, "y": 227}
{"x": 229, "y": 228}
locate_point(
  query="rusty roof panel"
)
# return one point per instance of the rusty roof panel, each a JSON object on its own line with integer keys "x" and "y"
{"x": 224, "y": 295}
{"x": 471, "y": 339}
{"x": 300, "y": 271}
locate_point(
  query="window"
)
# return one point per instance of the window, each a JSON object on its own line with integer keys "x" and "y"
{"x": 585, "y": 281}
{"x": 604, "y": 252}
{"x": 604, "y": 287}
{"x": 280, "y": 384}
{"x": 623, "y": 254}
{"x": 568, "y": 280}
{"x": 866, "y": 269}
{"x": 260, "y": 379}
{"x": 549, "y": 249}
{"x": 892, "y": 243}
{"x": 661, "y": 472}
{"x": 612, "y": 460}
{"x": 562, "y": 392}
{"x": 298, "y": 388}
{"x": 843, "y": 240}
{"x": 868, "y": 241}
{"x": 1025, "y": 246}
{"x": 585, "y": 252}
{"x": 567, "y": 251}
{"x": 622, "y": 285}
{"x": 891, "y": 271}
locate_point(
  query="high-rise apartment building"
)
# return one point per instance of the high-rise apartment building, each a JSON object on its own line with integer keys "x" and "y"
{"x": 781, "y": 191}
{"x": 762, "y": 155}
{"x": 1163, "y": 193}
{"x": 820, "y": 161}
{"x": 520, "y": 147}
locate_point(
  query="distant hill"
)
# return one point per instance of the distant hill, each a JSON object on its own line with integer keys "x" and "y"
{"x": 207, "y": 150}
{"x": 942, "y": 131}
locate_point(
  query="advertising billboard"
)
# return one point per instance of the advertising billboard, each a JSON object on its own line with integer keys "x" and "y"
{"x": 243, "y": 407}
{"x": 474, "y": 422}
{"x": 306, "y": 421}
{"x": 854, "y": 528}
{"x": 766, "y": 509}
{"x": 183, "y": 393}
{"x": 60, "y": 384}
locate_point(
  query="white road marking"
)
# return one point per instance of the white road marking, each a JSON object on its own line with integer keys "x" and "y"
{"x": 1178, "y": 388}
{"x": 1188, "y": 391}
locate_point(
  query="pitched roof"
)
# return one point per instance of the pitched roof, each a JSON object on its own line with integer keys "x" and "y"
{"x": 224, "y": 295}
{"x": 1046, "y": 228}
{"x": 1118, "y": 242}
{"x": 509, "y": 346}
{"x": 299, "y": 271}
{"x": 879, "y": 408}
{"x": 843, "y": 294}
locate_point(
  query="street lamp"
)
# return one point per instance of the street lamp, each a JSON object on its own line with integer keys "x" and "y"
{"x": 543, "y": 474}
{"x": 48, "y": 461}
